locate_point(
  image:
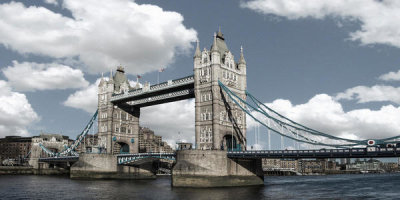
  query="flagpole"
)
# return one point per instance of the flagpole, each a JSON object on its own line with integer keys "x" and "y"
{"x": 158, "y": 77}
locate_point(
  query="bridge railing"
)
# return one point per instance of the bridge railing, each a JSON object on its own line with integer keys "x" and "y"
{"x": 130, "y": 158}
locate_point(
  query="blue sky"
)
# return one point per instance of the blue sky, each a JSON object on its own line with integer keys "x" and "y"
{"x": 332, "y": 65}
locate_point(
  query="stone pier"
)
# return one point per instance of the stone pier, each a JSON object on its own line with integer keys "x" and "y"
{"x": 212, "y": 168}
{"x": 104, "y": 166}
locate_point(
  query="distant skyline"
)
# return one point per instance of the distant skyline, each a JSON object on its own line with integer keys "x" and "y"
{"x": 331, "y": 65}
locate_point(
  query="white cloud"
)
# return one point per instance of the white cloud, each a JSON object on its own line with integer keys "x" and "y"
{"x": 54, "y": 2}
{"x": 391, "y": 76}
{"x": 375, "y": 93}
{"x": 84, "y": 99}
{"x": 16, "y": 112}
{"x": 380, "y": 20}
{"x": 174, "y": 121}
{"x": 101, "y": 34}
{"x": 30, "y": 76}
{"x": 324, "y": 113}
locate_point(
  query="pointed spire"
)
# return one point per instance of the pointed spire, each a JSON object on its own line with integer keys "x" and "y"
{"x": 102, "y": 79}
{"x": 219, "y": 34}
{"x": 197, "y": 53}
{"x": 111, "y": 80}
{"x": 241, "y": 59}
{"x": 214, "y": 46}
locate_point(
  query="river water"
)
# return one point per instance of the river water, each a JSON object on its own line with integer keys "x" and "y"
{"x": 357, "y": 186}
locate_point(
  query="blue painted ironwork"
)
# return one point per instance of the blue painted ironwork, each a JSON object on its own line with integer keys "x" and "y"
{"x": 291, "y": 129}
{"x": 125, "y": 159}
{"x": 77, "y": 142}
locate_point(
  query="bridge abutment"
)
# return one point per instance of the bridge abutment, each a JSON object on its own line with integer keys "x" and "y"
{"x": 201, "y": 168}
{"x": 104, "y": 166}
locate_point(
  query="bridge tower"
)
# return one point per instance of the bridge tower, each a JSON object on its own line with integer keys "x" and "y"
{"x": 118, "y": 127}
{"x": 220, "y": 123}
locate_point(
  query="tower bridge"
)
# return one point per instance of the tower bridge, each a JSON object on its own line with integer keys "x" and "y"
{"x": 222, "y": 103}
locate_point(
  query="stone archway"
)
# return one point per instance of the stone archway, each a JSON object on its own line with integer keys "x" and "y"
{"x": 123, "y": 147}
{"x": 230, "y": 143}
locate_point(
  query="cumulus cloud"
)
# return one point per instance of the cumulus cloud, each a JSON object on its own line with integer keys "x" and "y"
{"x": 54, "y": 2}
{"x": 31, "y": 76}
{"x": 364, "y": 94}
{"x": 391, "y": 76}
{"x": 379, "y": 20}
{"x": 84, "y": 99}
{"x": 174, "y": 121}
{"x": 324, "y": 113}
{"x": 100, "y": 34}
{"x": 16, "y": 112}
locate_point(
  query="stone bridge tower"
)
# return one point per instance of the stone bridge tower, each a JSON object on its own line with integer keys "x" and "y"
{"x": 118, "y": 127}
{"x": 220, "y": 124}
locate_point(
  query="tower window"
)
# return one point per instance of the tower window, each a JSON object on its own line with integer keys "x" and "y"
{"x": 123, "y": 115}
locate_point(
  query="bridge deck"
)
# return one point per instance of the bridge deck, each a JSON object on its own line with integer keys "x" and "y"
{"x": 140, "y": 158}
{"x": 60, "y": 159}
{"x": 322, "y": 153}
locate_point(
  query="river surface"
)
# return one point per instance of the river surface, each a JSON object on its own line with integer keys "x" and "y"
{"x": 357, "y": 186}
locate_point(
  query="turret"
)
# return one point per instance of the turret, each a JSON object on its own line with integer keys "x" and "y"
{"x": 242, "y": 62}
{"x": 110, "y": 83}
{"x": 197, "y": 55}
{"x": 102, "y": 82}
{"x": 121, "y": 83}
{"x": 215, "y": 54}
{"x": 242, "y": 68}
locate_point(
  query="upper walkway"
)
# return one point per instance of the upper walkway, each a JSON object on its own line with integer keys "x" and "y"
{"x": 172, "y": 90}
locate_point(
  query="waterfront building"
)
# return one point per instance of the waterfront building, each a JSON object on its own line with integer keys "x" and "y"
{"x": 14, "y": 148}
{"x": 149, "y": 142}
{"x": 89, "y": 144}
{"x": 54, "y": 142}
{"x": 280, "y": 164}
{"x": 268, "y": 164}
{"x": 184, "y": 145}
{"x": 344, "y": 161}
{"x": 390, "y": 167}
{"x": 370, "y": 165}
{"x": 316, "y": 166}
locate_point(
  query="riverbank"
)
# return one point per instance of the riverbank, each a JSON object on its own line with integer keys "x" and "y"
{"x": 26, "y": 170}
{"x": 328, "y": 172}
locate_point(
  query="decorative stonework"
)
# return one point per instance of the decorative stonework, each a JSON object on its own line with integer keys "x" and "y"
{"x": 211, "y": 66}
